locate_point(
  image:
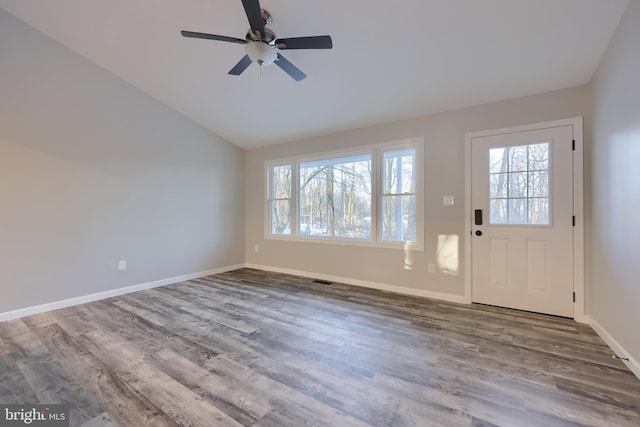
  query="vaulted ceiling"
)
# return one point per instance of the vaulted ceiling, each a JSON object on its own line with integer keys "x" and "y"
{"x": 390, "y": 61}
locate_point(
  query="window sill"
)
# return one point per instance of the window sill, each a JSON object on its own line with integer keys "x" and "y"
{"x": 412, "y": 246}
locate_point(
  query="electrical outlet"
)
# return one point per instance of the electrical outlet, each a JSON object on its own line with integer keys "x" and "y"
{"x": 431, "y": 267}
{"x": 122, "y": 265}
{"x": 256, "y": 248}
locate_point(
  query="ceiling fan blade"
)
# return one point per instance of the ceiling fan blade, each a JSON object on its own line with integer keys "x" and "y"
{"x": 241, "y": 66}
{"x": 316, "y": 42}
{"x": 289, "y": 68}
{"x": 212, "y": 37}
{"x": 254, "y": 15}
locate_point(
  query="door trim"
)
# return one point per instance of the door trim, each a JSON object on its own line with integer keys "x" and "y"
{"x": 578, "y": 206}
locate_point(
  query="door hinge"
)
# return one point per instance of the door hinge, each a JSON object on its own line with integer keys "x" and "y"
{"x": 574, "y": 297}
{"x": 573, "y": 145}
{"x": 574, "y": 220}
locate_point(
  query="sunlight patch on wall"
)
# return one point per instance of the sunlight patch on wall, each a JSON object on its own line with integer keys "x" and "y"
{"x": 447, "y": 254}
{"x": 408, "y": 256}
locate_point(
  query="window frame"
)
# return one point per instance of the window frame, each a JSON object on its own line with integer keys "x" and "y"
{"x": 377, "y": 167}
{"x": 417, "y": 191}
{"x": 271, "y": 199}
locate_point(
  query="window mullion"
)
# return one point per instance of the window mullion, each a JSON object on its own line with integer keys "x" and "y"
{"x": 376, "y": 194}
{"x": 295, "y": 188}
{"x": 399, "y": 219}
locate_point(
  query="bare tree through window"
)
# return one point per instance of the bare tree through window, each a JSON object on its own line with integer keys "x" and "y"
{"x": 281, "y": 199}
{"x": 399, "y": 196}
{"x": 335, "y": 197}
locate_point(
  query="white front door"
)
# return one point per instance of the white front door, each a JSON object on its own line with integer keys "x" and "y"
{"x": 522, "y": 220}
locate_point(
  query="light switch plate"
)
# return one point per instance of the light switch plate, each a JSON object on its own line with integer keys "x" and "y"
{"x": 448, "y": 200}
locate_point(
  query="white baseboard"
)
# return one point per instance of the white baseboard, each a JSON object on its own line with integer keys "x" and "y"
{"x": 366, "y": 284}
{"x": 29, "y": 311}
{"x": 615, "y": 346}
{"x": 581, "y": 318}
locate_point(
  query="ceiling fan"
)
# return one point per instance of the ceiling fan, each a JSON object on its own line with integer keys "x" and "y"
{"x": 261, "y": 44}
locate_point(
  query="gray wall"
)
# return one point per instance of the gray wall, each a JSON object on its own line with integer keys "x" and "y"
{"x": 615, "y": 227}
{"x": 93, "y": 171}
{"x": 444, "y": 175}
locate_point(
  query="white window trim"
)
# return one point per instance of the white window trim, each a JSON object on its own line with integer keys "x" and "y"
{"x": 293, "y": 226}
{"x": 376, "y": 151}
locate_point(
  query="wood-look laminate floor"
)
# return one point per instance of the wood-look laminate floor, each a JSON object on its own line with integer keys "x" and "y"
{"x": 262, "y": 349}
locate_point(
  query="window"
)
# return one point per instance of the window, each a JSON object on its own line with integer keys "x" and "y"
{"x": 371, "y": 196}
{"x": 399, "y": 195}
{"x": 335, "y": 197}
{"x": 519, "y": 184}
{"x": 280, "y": 199}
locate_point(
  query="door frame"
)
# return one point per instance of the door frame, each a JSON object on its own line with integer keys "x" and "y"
{"x": 578, "y": 206}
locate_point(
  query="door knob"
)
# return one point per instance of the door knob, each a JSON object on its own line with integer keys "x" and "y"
{"x": 478, "y": 233}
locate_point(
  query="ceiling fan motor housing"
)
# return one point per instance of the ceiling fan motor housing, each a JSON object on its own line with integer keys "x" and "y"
{"x": 266, "y": 17}
{"x": 268, "y": 36}
{"x": 254, "y": 35}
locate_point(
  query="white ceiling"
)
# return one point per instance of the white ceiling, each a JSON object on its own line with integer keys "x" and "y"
{"x": 390, "y": 61}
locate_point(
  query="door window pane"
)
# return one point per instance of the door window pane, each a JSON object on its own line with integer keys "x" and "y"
{"x": 518, "y": 158}
{"x": 498, "y": 185}
{"x": 498, "y": 160}
{"x": 539, "y": 184}
{"x": 519, "y": 184}
{"x": 539, "y": 157}
{"x": 539, "y": 210}
{"x": 517, "y": 211}
{"x": 498, "y": 211}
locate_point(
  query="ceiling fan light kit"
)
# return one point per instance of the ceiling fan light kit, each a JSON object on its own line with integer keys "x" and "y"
{"x": 261, "y": 53}
{"x": 262, "y": 45}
